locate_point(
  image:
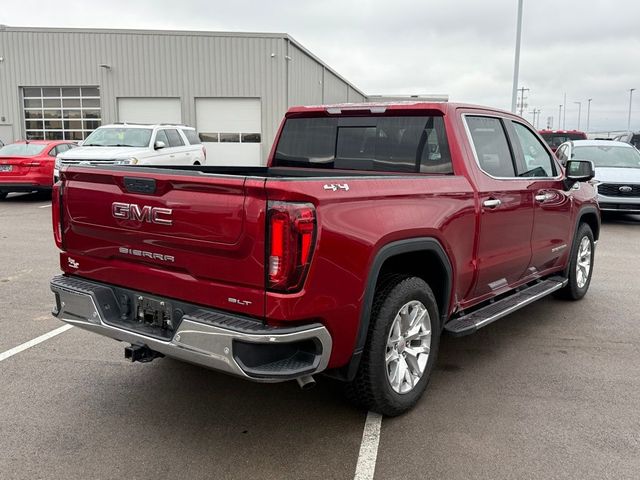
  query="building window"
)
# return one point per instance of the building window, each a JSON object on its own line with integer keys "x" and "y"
{"x": 231, "y": 137}
{"x": 60, "y": 113}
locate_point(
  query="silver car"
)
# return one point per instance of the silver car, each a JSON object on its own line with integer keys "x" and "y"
{"x": 617, "y": 171}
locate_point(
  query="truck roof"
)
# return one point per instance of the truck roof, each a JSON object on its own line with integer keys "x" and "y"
{"x": 381, "y": 107}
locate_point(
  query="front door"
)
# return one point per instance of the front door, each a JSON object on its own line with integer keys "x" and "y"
{"x": 551, "y": 234}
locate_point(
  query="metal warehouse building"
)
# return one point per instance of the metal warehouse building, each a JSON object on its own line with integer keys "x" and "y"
{"x": 233, "y": 87}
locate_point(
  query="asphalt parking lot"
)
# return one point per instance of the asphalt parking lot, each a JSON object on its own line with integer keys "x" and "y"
{"x": 553, "y": 391}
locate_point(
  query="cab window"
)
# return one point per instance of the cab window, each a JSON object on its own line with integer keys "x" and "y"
{"x": 175, "y": 140}
{"x": 536, "y": 160}
{"x": 491, "y": 146}
{"x": 161, "y": 136}
{"x": 561, "y": 153}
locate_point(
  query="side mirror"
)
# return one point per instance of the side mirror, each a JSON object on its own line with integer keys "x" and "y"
{"x": 80, "y": 143}
{"x": 159, "y": 145}
{"x": 579, "y": 171}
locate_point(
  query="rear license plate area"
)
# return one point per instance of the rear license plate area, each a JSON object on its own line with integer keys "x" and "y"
{"x": 153, "y": 313}
{"x": 6, "y": 168}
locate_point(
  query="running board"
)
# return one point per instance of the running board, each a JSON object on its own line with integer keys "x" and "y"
{"x": 471, "y": 322}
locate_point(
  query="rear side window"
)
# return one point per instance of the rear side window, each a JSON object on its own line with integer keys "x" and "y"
{"x": 192, "y": 136}
{"x": 175, "y": 140}
{"x": 393, "y": 144}
{"x": 491, "y": 146}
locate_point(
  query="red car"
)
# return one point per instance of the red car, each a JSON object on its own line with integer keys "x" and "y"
{"x": 555, "y": 138}
{"x": 28, "y": 166}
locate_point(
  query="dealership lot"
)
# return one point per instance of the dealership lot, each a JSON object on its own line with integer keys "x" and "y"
{"x": 549, "y": 392}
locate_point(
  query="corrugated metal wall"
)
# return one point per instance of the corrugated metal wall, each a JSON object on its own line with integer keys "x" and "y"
{"x": 335, "y": 90}
{"x": 187, "y": 65}
{"x": 305, "y": 79}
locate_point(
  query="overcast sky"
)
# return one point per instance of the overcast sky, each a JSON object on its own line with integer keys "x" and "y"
{"x": 465, "y": 48}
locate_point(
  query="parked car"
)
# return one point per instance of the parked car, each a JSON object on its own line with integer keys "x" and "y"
{"x": 28, "y": 166}
{"x": 136, "y": 144}
{"x": 555, "y": 138}
{"x": 617, "y": 171}
{"x": 374, "y": 228}
{"x": 632, "y": 138}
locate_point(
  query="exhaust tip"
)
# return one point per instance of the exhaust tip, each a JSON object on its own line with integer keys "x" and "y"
{"x": 307, "y": 382}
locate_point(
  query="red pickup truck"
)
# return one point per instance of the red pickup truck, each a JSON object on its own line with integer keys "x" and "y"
{"x": 373, "y": 229}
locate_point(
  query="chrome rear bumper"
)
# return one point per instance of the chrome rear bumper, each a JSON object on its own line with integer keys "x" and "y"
{"x": 213, "y": 339}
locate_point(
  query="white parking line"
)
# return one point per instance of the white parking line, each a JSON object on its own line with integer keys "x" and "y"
{"x": 35, "y": 341}
{"x": 45, "y": 206}
{"x": 366, "y": 465}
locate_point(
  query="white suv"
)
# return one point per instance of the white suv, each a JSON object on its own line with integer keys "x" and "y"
{"x": 136, "y": 144}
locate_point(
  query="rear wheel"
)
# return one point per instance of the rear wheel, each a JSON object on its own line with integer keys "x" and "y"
{"x": 196, "y": 163}
{"x": 401, "y": 347}
{"x": 580, "y": 265}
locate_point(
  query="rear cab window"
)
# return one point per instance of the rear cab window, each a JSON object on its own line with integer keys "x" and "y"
{"x": 416, "y": 144}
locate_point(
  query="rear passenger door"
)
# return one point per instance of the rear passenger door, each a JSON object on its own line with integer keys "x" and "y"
{"x": 503, "y": 250}
{"x": 177, "y": 151}
{"x": 551, "y": 234}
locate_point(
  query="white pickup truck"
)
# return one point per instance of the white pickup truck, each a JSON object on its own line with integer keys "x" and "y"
{"x": 136, "y": 144}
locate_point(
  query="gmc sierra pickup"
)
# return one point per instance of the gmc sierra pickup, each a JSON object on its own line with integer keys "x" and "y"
{"x": 372, "y": 229}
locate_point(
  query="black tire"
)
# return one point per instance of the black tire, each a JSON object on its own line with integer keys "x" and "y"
{"x": 3, "y": 195}
{"x": 196, "y": 163}
{"x": 572, "y": 290}
{"x": 371, "y": 389}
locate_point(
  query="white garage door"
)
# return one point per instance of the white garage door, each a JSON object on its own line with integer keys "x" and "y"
{"x": 149, "y": 110}
{"x": 231, "y": 130}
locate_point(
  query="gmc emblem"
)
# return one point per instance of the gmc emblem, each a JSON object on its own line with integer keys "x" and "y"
{"x": 131, "y": 211}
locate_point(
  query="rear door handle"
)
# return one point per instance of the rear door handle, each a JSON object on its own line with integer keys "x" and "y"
{"x": 492, "y": 203}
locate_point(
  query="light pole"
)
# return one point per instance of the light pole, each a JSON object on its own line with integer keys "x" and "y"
{"x": 536, "y": 115}
{"x": 588, "y": 112}
{"x": 579, "y": 112}
{"x": 559, "y": 115}
{"x": 630, "y": 100}
{"x": 564, "y": 119}
{"x": 516, "y": 63}
{"x": 522, "y": 105}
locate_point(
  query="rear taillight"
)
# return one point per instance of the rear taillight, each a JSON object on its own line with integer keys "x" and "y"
{"x": 292, "y": 234}
{"x": 56, "y": 213}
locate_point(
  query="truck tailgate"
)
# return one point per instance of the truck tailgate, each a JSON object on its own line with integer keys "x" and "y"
{"x": 188, "y": 235}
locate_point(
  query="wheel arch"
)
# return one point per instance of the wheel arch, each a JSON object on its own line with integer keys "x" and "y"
{"x": 423, "y": 257}
{"x": 591, "y": 216}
